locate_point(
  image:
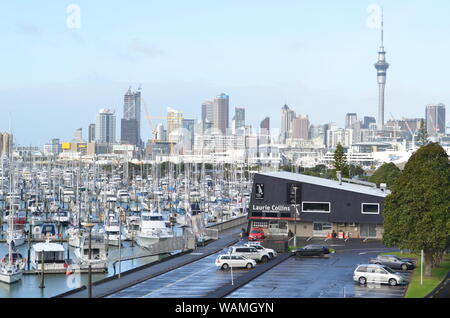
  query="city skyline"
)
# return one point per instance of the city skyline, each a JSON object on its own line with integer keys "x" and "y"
{"x": 316, "y": 90}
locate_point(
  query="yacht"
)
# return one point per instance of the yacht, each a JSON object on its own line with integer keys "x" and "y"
{"x": 62, "y": 217}
{"x": 53, "y": 255}
{"x": 99, "y": 259}
{"x": 74, "y": 236}
{"x": 68, "y": 195}
{"x": 12, "y": 265}
{"x": 123, "y": 196}
{"x": 153, "y": 229}
{"x": 113, "y": 230}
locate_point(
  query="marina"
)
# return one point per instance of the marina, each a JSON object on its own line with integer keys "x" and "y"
{"x": 136, "y": 217}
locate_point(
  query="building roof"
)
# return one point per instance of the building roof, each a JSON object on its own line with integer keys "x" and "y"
{"x": 327, "y": 183}
{"x": 48, "y": 247}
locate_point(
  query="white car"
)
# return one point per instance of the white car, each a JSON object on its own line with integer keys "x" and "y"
{"x": 226, "y": 261}
{"x": 251, "y": 252}
{"x": 272, "y": 253}
{"x": 372, "y": 273}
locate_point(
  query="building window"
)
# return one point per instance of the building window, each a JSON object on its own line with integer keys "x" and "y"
{"x": 262, "y": 224}
{"x": 316, "y": 207}
{"x": 370, "y": 208}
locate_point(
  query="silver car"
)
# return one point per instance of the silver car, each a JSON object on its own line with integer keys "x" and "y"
{"x": 372, "y": 273}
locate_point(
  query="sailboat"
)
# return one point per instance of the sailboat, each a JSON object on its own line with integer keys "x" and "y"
{"x": 11, "y": 268}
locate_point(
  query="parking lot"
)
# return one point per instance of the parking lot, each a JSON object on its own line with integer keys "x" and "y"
{"x": 297, "y": 277}
{"x": 318, "y": 277}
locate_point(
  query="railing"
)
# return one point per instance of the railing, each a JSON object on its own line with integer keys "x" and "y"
{"x": 212, "y": 234}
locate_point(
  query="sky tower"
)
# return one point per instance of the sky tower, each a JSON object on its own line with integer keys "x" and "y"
{"x": 381, "y": 67}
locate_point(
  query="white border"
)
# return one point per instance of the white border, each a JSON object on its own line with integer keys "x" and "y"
{"x": 329, "y": 204}
{"x": 362, "y": 212}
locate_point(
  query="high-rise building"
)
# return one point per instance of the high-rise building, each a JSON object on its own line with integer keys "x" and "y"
{"x": 221, "y": 113}
{"x": 287, "y": 116}
{"x": 160, "y": 133}
{"x": 340, "y": 136}
{"x": 265, "y": 131}
{"x": 207, "y": 111}
{"x": 91, "y": 137}
{"x": 105, "y": 127}
{"x": 78, "y": 136}
{"x": 174, "y": 124}
{"x": 435, "y": 119}
{"x": 53, "y": 148}
{"x": 6, "y": 144}
{"x": 350, "y": 118}
{"x": 382, "y": 67}
{"x": 188, "y": 127}
{"x": 239, "y": 117}
{"x": 300, "y": 127}
{"x": 130, "y": 132}
{"x": 367, "y": 121}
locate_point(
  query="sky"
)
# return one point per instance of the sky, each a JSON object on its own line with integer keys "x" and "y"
{"x": 62, "y": 61}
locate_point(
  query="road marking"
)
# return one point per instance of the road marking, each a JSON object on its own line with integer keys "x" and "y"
{"x": 371, "y": 252}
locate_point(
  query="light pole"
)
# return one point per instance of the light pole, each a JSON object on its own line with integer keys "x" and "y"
{"x": 89, "y": 226}
{"x": 295, "y": 216}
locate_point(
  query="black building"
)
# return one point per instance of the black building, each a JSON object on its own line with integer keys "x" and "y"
{"x": 129, "y": 132}
{"x": 317, "y": 206}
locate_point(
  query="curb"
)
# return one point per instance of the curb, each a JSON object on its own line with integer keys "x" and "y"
{"x": 439, "y": 287}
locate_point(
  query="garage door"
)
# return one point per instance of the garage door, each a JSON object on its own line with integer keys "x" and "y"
{"x": 369, "y": 230}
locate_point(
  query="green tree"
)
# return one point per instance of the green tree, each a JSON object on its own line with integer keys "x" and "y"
{"x": 387, "y": 173}
{"x": 340, "y": 161}
{"x": 422, "y": 135}
{"x": 417, "y": 212}
{"x": 355, "y": 171}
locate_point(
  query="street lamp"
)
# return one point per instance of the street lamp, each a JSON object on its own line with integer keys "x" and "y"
{"x": 295, "y": 216}
{"x": 89, "y": 226}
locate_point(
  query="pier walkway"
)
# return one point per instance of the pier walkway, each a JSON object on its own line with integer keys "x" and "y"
{"x": 133, "y": 277}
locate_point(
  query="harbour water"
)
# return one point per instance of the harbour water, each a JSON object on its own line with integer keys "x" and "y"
{"x": 59, "y": 283}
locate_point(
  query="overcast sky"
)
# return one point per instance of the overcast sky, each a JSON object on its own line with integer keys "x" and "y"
{"x": 316, "y": 56}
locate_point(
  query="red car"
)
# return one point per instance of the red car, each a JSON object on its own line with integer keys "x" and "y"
{"x": 256, "y": 234}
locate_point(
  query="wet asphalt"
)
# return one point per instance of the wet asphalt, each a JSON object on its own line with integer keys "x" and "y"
{"x": 319, "y": 277}
{"x": 296, "y": 277}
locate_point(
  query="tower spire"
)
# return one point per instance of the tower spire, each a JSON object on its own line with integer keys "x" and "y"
{"x": 382, "y": 67}
{"x": 382, "y": 28}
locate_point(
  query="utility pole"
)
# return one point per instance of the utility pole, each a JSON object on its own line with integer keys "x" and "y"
{"x": 89, "y": 226}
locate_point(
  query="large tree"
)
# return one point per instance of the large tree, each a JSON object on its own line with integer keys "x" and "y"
{"x": 417, "y": 212}
{"x": 422, "y": 134}
{"x": 387, "y": 173}
{"x": 340, "y": 161}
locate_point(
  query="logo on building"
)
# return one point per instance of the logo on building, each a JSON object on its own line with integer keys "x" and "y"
{"x": 259, "y": 194}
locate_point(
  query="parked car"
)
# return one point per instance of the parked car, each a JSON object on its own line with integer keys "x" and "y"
{"x": 256, "y": 234}
{"x": 250, "y": 252}
{"x": 226, "y": 261}
{"x": 311, "y": 250}
{"x": 374, "y": 273}
{"x": 393, "y": 261}
{"x": 272, "y": 253}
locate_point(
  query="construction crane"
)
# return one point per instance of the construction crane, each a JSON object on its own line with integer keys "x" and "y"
{"x": 413, "y": 134}
{"x": 395, "y": 125}
{"x": 149, "y": 121}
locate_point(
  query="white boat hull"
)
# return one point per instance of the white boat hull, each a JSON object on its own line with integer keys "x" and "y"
{"x": 10, "y": 278}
